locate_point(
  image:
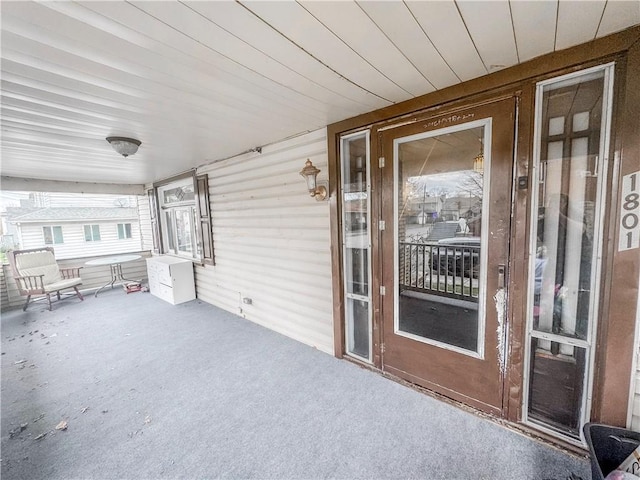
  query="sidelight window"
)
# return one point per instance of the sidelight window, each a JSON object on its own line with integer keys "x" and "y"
{"x": 356, "y": 243}
{"x": 572, "y": 137}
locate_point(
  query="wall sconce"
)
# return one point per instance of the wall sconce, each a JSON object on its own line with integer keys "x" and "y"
{"x": 124, "y": 146}
{"x": 309, "y": 172}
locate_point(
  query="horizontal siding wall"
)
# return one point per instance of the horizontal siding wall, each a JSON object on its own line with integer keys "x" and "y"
{"x": 146, "y": 235}
{"x": 93, "y": 277}
{"x": 635, "y": 419}
{"x": 74, "y": 244}
{"x": 70, "y": 199}
{"x": 272, "y": 241}
{"x": 4, "y": 294}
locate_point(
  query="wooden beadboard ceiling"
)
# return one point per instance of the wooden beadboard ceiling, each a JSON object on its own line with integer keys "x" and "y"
{"x": 200, "y": 81}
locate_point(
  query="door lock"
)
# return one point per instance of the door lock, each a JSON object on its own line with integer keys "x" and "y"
{"x": 501, "y": 273}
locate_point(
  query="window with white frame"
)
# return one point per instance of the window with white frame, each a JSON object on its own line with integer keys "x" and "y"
{"x": 573, "y": 119}
{"x": 124, "y": 231}
{"x": 181, "y": 218}
{"x": 52, "y": 235}
{"x": 91, "y": 233}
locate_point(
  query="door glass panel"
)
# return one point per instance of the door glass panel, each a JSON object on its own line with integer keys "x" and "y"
{"x": 571, "y": 138}
{"x": 356, "y": 246}
{"x": 357, "y": 271}
{"x": 566, "y": 208}
{"x": 358, "y": 335}
{"x": 439, "y": 191}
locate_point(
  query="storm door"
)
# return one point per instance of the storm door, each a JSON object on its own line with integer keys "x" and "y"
{"x": 446, "y": 206}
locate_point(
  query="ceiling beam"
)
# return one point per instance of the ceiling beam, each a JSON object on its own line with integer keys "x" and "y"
{"x": 20, "y": 184}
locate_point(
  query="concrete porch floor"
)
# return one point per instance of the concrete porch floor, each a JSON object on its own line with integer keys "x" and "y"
{"x": 150, "y": 390}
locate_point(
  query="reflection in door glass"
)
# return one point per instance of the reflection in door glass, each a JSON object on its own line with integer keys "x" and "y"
{"x": 439, "y": 188}
{"x": 570, "y": 139}
{"x": 354, "y": 155}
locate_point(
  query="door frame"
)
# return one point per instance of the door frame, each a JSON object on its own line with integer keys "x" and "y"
{"x": 617, "y": 311}
{"x": 498, "y": 116}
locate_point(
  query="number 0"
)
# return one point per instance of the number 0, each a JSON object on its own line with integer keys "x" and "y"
{"x": 630, "y": 221}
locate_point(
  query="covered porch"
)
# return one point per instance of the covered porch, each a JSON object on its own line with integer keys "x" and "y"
{"x": 262, "y": 376}
{"x": 150, "y": 390}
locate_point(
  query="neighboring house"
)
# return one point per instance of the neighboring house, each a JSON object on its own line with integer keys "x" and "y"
{"x": 76, "y": 232}
{"x": 457, "y": 207}
{"x": 430, "y": 209}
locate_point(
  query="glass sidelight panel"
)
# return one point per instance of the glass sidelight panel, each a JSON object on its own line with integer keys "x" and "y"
{"x": 572, "y": 131}
{"x": 358, "y": 335}
{"x": 356, "y": 244}
{"x": 439, "y": 191}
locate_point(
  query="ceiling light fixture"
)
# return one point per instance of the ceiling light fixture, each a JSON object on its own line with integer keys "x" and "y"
{"x": 124, "y": 146}
{"x": 478, "y": 162}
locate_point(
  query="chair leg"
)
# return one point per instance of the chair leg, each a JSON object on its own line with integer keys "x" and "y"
{"x": 49, "y": 300}
{"x": 58, "y": 293}
{"x": 78, "y": 293}
{"x": 24, "y": 309}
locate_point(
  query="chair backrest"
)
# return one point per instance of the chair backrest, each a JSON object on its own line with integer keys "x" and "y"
{"x": 37, "y": 261}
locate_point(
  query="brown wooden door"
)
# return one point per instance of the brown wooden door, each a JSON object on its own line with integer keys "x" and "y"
{"x": 446, "y": 200}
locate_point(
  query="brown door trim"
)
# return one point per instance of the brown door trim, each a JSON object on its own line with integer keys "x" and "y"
{"x": 616, "y": 325}
{"x": 570, "y": 57}
{"x": 621, "y": 270}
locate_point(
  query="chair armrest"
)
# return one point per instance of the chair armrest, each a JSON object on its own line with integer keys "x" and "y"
{"x": 72, "y": 272}
{"x": 30, "y": 282}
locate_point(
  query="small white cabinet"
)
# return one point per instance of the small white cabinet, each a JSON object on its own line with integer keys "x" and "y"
{"x": 171, "y": 279}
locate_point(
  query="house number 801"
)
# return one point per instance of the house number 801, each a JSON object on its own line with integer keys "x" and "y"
{"x": 630, "y": 212}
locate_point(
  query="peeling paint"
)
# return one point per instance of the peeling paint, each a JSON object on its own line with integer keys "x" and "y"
{"x": 500, "y": 300}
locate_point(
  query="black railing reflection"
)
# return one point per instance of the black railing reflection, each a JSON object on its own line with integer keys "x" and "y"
{"x": 445, "y": 270}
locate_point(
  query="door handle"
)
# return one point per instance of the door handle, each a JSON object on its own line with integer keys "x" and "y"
{"x": 501, "y": 273}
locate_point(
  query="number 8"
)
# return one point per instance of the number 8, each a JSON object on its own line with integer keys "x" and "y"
{"x": 631, "y": 201}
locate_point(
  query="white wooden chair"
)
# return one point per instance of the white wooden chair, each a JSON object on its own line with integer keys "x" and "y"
{"x": 36, "y": 272}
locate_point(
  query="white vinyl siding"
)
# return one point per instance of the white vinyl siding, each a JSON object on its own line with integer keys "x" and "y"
{"x": 635, "y": 418}
{"x": 634, "y": 400}
{"x": 75, "y": 246}
{"x": 146, "y": 234}
{"x": 272, "y": 241}
{"x": 62, "y": 200}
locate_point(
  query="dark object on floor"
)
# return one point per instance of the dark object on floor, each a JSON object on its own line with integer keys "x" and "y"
{"x": 608, "y": 447}
{"x": 132, "y": 287}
